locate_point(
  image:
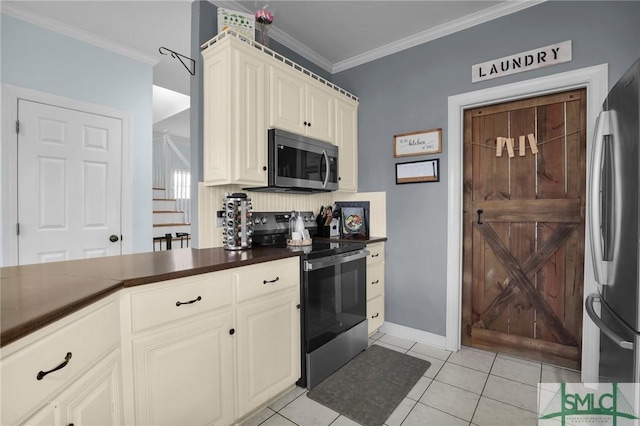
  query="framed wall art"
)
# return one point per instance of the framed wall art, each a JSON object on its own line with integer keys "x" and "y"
{"x": 417, "y": 143}
{"x": 418, "y": 171}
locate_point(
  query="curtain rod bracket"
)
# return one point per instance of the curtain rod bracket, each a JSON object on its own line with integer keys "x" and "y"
{"x": 180, "y": 58}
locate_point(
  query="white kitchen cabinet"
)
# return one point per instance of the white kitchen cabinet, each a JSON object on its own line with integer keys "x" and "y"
{"x": 347, "y": 141}
{"x": 183, "y": 373}
{"x": 45, "y": 416}
{"x": 91, "y": 336}
{"x": 268, "y": 331}
{"x": 230, "y": 346}
{"x": 181, "y": 347}
{"x": 235, "y": 130}
{"x": 268, "y": 348}
{"x": 299, "y": 105}
{"x": 94, "y": 400}
{"x": 249, "y": 89}
{"x": 375, "y": 286}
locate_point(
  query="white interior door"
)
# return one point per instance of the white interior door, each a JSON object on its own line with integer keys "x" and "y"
{"x": 69, "y": 184}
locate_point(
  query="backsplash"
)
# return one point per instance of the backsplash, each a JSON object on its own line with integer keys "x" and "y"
{"x": 210, "y": 200}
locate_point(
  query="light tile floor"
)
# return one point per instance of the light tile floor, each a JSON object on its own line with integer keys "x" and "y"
{"x": 469, "y": 388}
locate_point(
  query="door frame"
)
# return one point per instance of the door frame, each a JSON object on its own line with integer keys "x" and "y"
{"x": 10, "y": 96}
{"x": 595, "y": 80}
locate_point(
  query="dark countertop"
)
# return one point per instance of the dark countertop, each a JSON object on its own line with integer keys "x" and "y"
{"x": 369, "y": 240}
{"x": 33, "y": 296}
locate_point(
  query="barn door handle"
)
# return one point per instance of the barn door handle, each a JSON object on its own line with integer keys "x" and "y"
{"x": 480, "y": 211}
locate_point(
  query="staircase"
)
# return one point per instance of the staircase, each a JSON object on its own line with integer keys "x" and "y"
{"x": 168, "y": 220}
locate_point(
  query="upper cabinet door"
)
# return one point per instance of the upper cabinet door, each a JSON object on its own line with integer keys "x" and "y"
{"x": 320, "y": 113}
{"x": 299, "y": 107}
{"x": 287, "y": 102}
{"x": 347, "y": 141}
{"x": 251, "y": 137}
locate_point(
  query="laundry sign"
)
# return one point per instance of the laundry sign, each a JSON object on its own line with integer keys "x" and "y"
{"x": 533, "y": 59}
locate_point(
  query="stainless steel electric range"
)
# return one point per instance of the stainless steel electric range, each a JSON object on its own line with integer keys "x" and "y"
{"x": 333, "y": 295}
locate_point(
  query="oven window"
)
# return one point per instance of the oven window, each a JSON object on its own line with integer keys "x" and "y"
{"x": 335, "y": 299}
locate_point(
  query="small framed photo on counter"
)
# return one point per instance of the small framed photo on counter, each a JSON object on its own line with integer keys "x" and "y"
{"x": 354, "y": 219}
{"x": 418, "y": 171}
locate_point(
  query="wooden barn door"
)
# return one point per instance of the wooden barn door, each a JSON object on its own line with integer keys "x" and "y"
{"x": 523, "y": 248}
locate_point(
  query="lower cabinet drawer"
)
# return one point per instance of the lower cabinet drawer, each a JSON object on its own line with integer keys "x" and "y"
{"x": 29, "y": 375}
{"x": 265, "y": 278}
{"x": 375, "y": 280}
{"x": 375, "y": 313}
{"x": 179, "y": 299}
{"x": 376, "y": 253}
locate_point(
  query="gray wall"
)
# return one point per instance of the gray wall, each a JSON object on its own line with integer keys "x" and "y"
{"x": 408, "y": 91}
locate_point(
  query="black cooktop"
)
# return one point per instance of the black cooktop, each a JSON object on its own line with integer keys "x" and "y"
{"x": 270, "y": 229}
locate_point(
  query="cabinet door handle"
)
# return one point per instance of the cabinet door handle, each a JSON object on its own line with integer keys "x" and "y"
{"x": 272, "y": 281}
{"x": 375, "y": 282}
{"x": 232, "y": 331}
{"x": 41, "y": 374}
{"x": 375, "y": 255}
{"x": 197, "y": 299}
{"x": 376, "y": 315}
{"x": 305, "y": 123}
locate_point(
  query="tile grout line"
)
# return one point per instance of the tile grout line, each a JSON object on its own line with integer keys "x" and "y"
{"x": 483, "y": 388}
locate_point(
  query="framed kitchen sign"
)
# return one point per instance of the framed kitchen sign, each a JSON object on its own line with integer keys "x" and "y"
{"x": 418, "y": 171}
{"x": 417, "y": 143}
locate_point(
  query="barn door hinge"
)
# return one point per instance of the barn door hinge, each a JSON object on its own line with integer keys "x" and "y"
{"x": 17, "y": 228}
{"x": 17, "y": 126}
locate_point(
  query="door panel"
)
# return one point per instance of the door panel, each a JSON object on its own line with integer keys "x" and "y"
{"x": 523, "y": 245}
{"x": 69, "y": 183}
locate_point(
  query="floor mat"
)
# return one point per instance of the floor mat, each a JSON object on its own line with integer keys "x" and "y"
{"x": 370, "y": 386}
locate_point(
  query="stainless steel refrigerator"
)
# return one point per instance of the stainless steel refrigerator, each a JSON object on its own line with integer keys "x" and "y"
{"x": 614, "y": 231}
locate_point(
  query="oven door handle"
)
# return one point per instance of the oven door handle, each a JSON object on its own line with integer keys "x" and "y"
{"x": 315, "y": 264}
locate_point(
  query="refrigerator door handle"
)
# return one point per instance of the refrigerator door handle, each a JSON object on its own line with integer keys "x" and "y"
{"x": 595, "y": 218}
{"x": 588, "y": 304}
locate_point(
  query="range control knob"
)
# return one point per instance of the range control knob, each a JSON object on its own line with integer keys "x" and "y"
{"x": 264, "y": 220}
{"x": 256, "y": 221}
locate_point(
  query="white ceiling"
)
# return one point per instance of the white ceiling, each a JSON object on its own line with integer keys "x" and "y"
{"x": 336, "y": 35}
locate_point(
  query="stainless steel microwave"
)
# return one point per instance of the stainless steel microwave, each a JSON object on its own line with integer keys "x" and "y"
{"x": 299, "y": 164}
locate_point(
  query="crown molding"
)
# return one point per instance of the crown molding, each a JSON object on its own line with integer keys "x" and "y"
{"x": 281, "y": 37}
{"x": 16, "y": 11}
{"x": 447, "y": 28}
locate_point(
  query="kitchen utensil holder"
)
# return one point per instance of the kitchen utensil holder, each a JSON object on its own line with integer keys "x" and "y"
{"x": 238, "y": 222}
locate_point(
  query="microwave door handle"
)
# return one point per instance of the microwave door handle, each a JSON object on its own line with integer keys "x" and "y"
{"x": 326, "y": 168}
{"x": 595, "y": 221}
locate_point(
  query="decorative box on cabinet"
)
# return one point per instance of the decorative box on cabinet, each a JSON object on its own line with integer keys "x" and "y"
{"x": 375, "y": 286}
{"x": 36, "y": 391}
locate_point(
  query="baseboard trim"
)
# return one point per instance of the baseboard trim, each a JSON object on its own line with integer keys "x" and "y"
{"x": 414, "y": 334}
